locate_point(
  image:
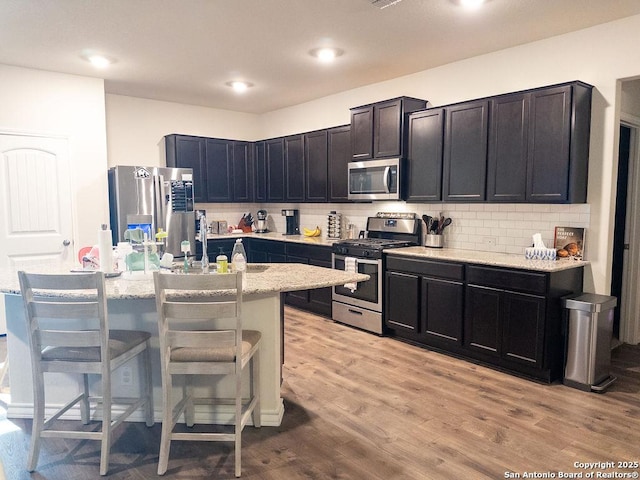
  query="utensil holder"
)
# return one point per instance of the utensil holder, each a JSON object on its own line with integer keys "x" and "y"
{"x": 434, "y": 241}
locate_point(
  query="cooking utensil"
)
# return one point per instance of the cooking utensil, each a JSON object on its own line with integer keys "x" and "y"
{"x": 443, "y": 224}
{"x": 427, "y": 222}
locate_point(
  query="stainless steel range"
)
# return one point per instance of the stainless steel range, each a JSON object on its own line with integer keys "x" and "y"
{"x": 361, "y": 305}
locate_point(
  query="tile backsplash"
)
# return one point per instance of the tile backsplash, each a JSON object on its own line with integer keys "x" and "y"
{"x": 506, "y": 228}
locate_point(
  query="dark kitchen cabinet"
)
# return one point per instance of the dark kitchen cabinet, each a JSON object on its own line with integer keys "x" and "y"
{"x": 559, "y": 135}
{"x": 503, "y": 317}
{"x": 508, "y": 144}
{"x": 219, "y": 166}
{"x": 260, "y": 171}
{"x": 339, "y": 153}
{"x": 424, "y": 158}
{"x": 222, "y": 169}
{"x": 266, "y": 251}
{"x": 379, "y": 130}
{"x": 465, "y": 152}
{"x": 184, "y": 151}
{"x": 424, "y": 300}
{"x": 539, "y": 145}
{"x": 315, "y": 300}
{"x": 275, "y": 170}
{"x": 294, "y": 168}
{"x": 243, "y": 171}
{"x": 217, "y": 246}
{"x": 316, "y": 166}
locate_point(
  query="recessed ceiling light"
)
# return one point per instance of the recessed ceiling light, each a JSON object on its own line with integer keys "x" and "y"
{"x": 98, "y": 61}
{"x": 239, "y": 86}
{"x": 471, "y": 3}
{"x": 326, "y": 54}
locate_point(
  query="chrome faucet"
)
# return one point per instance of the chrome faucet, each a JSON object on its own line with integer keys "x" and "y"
{"x": 203, "y": 240}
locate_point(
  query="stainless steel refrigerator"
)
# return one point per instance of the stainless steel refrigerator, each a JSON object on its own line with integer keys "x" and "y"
{"x": 153, "y": 198}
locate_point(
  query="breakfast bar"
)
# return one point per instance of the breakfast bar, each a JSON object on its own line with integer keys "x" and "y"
{"x": 131, "y": 305}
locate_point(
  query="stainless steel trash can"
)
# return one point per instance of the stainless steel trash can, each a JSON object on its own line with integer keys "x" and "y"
{"x": 589, "y": 331}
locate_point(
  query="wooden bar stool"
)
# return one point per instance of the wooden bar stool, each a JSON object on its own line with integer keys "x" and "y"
{"x": 68, "y": 330}
{"x": 204, "y": 349}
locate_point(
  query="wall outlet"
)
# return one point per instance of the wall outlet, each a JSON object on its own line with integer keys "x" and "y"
{"x": 126, "y": 375}
{"x": 490, "y": 241}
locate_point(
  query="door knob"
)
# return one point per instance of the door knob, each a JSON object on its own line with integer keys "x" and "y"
{"x": 66, "y": 243}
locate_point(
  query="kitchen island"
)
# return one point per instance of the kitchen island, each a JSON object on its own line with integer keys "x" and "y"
{"x": 131, "y": 305}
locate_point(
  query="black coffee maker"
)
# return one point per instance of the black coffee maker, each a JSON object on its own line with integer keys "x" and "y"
{"x": 293, "y": 221}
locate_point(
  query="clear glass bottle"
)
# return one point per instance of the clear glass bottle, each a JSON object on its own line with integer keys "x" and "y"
{"x": 239, "y": 260}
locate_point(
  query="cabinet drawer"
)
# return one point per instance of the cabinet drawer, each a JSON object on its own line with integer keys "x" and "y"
{"x": 508, "y": 279}
{"x": 450, "y": 271}
{"x": 315, "y": 252}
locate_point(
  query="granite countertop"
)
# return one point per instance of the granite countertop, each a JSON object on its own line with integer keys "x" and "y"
{"x": 488, "y": 258}
{"x": 262, "y": 278}
{"x": 277, "y": 236}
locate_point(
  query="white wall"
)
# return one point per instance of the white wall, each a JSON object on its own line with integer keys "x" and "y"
{"x": 599, "y": 55}
{"x": 137, "y": 126}
{"x": 34, "y": 101}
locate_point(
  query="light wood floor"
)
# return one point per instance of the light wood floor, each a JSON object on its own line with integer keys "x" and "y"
{"x": 363, "y": 407}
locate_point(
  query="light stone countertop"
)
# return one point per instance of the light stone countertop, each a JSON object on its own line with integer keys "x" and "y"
{"x": 262, "y": 278}
{"x": 488, "y": 258}
{"x": 278, "y": 236}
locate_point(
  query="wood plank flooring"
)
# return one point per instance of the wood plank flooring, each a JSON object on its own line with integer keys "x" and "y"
{"x": 360, "y": 406}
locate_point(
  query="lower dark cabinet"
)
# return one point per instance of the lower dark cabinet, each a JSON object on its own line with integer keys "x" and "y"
{"x": 316, "y": 300}
{"x": 502, "y": 317}
{"x": 402, "y": 315}
{"x": 442, "y": 309}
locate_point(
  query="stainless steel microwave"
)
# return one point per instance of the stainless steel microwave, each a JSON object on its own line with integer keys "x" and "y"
{"x": 375, "y": 179}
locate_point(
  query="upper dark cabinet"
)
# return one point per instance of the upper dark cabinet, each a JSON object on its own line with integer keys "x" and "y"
{"x": 260, "y": 171}
{"x": 424, "y": 157}
{"x": 379, "y": 130}
{"x": 243, "y": 171}
{"x": 465, "y": 152}
{"x": 294, "y": 168}
{"x": 184, "y": 151}
{"x": 339, "y": 145}
{"x": 219, "y": 155}
{"x": 539, "y": 145}
{"x": 275, "y": 169}
{"x": 508, "y": 144}
{"x": 315, "y": 166}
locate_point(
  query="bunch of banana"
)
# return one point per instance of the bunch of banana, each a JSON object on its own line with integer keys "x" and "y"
{"x": 311, "y": 233}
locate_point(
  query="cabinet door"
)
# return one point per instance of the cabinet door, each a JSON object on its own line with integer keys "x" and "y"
{"x": 219, "y": 155}
{"x": 320, "y": 298}
{"x": 300, "y": 297}
{"x": 402, "y": 302}
{"x": 242, "y": 172}
{"x": 362, "y": 133}
{"x": 523, "y": 328}
{"x": 548, "y": 174}
{"x": 442, "y": 310}
{"x": 315, "y": 166}
{"x": 482, "y": 319}
{"x": 386, "y": 129}
{"x": 294, "y": 168}
{"x": 260, "y": 169}
{"x": 339, "y": 140}
{"x": 275, "y": 169}
{"x": 424, "y": 162}
{"x": 508, "y": 139}
{"x": 465, "y": 152}
{"x": 183, "y": 151}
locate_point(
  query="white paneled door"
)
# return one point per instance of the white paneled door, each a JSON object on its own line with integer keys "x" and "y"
{"x": 35, "y": 208}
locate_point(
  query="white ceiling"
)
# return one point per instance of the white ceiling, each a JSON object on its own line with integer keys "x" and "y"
{"x": 185, "y": 50}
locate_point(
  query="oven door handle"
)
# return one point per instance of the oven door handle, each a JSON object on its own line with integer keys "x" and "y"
{"x": 361, "y": 260}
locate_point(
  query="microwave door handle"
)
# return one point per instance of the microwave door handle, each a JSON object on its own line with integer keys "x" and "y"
{"x": 387, "y": 171}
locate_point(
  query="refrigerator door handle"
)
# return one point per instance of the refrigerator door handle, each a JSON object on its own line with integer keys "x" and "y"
{"x": 161, "y": 214}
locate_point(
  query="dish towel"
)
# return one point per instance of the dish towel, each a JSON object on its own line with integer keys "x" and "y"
{"x": 351, "y": 266}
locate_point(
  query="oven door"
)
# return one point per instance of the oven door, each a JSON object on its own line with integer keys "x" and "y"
{"x": 369, "y": 293}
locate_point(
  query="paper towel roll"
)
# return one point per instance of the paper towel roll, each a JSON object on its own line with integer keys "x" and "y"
{"x": 106, "y": 249}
